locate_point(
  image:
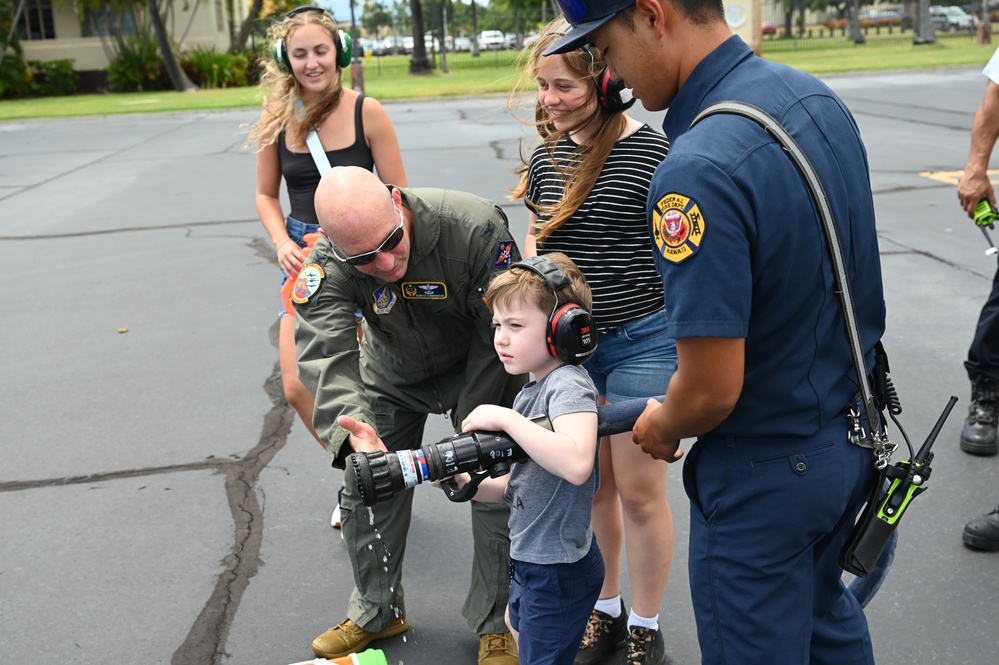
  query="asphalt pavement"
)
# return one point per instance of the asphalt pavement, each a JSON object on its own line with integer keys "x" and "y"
{"x": 160, "y": 503}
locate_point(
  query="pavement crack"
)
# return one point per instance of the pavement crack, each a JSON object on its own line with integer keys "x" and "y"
{"x": 18, "y": 485}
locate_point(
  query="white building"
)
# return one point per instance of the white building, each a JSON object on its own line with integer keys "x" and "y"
{"x": 55, "y": 30}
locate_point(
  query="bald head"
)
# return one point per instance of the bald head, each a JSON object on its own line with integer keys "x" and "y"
{"x": 365, "y": 221}
{"x": 349, "y": 201}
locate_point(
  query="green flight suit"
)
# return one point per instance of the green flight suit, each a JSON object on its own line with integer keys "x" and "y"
{"x": 427, "y": 349}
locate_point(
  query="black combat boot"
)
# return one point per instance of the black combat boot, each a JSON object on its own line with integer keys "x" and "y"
{"x": 979, "y": 434}
{"x": 982, "y": 533}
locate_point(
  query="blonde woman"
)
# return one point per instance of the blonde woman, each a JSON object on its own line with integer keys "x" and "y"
{"x": 586, "y": 187}
{"x": 303, "y": 92}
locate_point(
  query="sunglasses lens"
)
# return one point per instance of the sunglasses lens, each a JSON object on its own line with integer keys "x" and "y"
{"x": 573, "y": 10}
{"x": 390, "y": 243}
{"x": 362, "y": 260}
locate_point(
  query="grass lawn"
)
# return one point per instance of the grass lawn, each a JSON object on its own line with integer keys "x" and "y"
{"x": 387, "y": 78}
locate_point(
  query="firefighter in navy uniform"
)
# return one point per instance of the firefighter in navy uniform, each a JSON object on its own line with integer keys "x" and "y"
{"x": 765, "y": 375}
{"x": 415, "y": 263}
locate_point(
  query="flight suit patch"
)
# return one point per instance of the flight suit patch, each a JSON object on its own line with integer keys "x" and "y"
{"x": 677, "y": 227}
{"x": 307, "y": 283}
{"x": 504, "y": 254}
{"x": 384, "y": 300}
{"x": 424, "y": 291}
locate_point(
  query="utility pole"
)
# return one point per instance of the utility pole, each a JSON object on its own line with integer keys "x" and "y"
{"x": 924, "y": 33}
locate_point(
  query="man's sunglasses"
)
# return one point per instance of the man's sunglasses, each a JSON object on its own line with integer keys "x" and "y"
{"x": 390, "y": 243}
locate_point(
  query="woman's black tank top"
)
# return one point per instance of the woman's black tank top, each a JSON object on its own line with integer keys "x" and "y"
{"x": 301, "y": 176}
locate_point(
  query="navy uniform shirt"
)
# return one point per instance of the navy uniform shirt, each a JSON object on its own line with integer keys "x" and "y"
{"x": 739, "y": 243}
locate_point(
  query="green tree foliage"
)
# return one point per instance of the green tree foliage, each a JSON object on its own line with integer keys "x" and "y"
{"x": 14, "y": 76}
{"x": 376, "y": 18}
{"x": 126, "y": 27}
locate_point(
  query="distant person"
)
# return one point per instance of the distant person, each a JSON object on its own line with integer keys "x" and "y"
{"x": 557, "y": 569}
{"x": 765, "y": 379}
{"x": 416, "y": 263}
{"x": 979, "y": 434}
{"x": 586, "y": 187}
{"x": 304, "y": 92}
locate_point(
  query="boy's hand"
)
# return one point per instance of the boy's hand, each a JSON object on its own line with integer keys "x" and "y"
{"x": 363, "y": 438}
{"x": 488, "y": 417}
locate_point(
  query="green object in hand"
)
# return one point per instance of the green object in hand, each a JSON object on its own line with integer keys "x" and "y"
{"x": 985, "y": 214}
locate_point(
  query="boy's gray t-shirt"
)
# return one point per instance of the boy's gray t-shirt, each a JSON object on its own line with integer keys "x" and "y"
{"x": 549, "y": 516}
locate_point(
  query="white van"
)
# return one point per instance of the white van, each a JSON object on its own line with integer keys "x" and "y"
{"x": 952, "y": 19}
{"x": 491, "y": 39}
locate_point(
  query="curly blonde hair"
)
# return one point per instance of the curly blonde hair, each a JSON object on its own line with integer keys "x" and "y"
{"x": 282, "y": 105}
{"x": 581, "y": 174}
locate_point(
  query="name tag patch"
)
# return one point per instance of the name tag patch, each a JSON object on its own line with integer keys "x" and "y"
{"x": 424, "y": 290}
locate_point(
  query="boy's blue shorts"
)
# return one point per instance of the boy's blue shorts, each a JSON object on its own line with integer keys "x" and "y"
{"x": 550, "y": 605}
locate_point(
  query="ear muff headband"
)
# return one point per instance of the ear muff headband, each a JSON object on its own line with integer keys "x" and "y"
{"x": 571, "y": 334}
{"x": 342, "y": 42}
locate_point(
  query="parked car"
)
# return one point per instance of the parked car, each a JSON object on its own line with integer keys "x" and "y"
{"x": 462, "y": 44}
{"x": 390, "y": 45}
{"x": 952, "y": 19}
{"x": 768, "y": 29}
{"x": 491, "y": 39}
{"x": 364, "y": 46}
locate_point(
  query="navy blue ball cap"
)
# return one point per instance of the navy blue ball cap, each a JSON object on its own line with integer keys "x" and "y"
{"x": 585, "y": 16}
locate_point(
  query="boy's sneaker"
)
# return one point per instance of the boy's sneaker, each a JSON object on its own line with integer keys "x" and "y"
{"x": 645, "y": 647}
{"x": 604, "y": 635}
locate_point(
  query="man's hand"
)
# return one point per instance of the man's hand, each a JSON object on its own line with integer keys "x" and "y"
{"x": 973, "y": 187}
{"x": 363, "y": 438}
{"x": 647, "y": 434}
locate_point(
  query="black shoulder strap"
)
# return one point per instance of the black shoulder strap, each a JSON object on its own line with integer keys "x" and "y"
{"x": 876, "y": 439}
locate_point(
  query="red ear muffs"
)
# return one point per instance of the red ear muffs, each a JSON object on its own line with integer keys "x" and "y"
{"x": 571, "y": 334}
{"x": 612, "y": 94}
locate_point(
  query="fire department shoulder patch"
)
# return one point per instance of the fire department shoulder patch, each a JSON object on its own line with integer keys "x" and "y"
{"x": 677, "y": 227}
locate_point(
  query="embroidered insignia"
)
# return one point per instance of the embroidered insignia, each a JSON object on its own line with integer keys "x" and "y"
{"x": 424, "y": 291}
{"x": 504, "y": 252}
{"x": 307, "y": 283}
{"x": 384, "y": 300}
{"x": 677, "y": 227}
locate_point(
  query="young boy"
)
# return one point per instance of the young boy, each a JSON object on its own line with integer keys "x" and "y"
{"x": 557, "y": 570}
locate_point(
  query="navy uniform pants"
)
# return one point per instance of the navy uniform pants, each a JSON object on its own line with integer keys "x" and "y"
{"x": 768, "y": 519}
{"x": 983, "y": 355}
